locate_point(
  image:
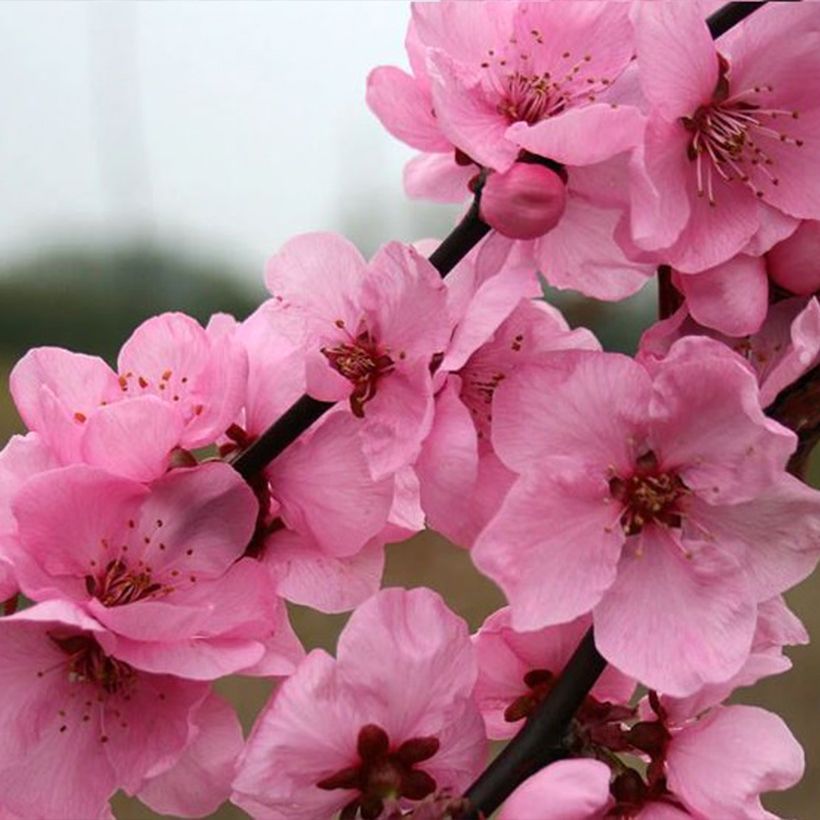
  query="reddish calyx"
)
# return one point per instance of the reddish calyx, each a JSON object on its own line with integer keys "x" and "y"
{"x": 382, "y": 774}
{"x": 118, "y": 585}
{"x": 87, "y": 663}
{"x": 649, "y": 495}
{"x": 362, "y": 362}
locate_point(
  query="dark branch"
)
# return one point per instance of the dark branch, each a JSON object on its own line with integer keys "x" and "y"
{"x": 541, "y": 740}
{"x": 465, "y": 236}
{"x": 730, "y": 15}
{"x": 284, "y": 431}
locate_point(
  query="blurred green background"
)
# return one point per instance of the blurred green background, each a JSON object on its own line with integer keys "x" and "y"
{"x": 89, "y": 300}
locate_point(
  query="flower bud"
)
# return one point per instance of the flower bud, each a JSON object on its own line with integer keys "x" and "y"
{"x": 525, "y": 202}
{"x": 794, "y": 263}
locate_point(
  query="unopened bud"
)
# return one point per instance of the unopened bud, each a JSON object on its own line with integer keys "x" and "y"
{"x": 794, "y": 263}
{"x": 525, "y": 202}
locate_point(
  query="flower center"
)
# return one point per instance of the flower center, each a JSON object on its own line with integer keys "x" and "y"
{"x": 649, "y": 495}
{"x": 88, "y": 663}
{"x": 119, "y": 585}
{"x": 362, "y": 362}
{"x": 729, "y": 138}
{"x": 382, "y": 774}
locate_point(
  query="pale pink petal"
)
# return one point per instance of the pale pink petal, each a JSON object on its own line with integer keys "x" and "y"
{"x": 659, "y": 180}
{"x": 318, "y": 275}
{"x": 397, "y": 420}
{"x": 306, "y": 733}
{"x": 708, "y": 423}
{"x": 775, "y": 226}
{"x": 21, "y": 458}
{"x": 406, "y": 301}
{"x": 201, "y": 779}
{"x": 566, "y": 790}
{"x": 793, "y": 262}
{"x": 802, "y": 347}
{"x": 324, "y": 486}
{"x": 197, "y": 520}
{"x": 722, "y": 764}
{"x": 676, "y": 57}
{"x": 274, "y": 358}
{"x": 448, "y": 465}
{"x": 675, "y": 619}
{"x": 581, "y": 253}
{"x": 63, "y": 539}
{"x": 732, "y": 298}
{"x": 588, "y": 406}
{"x": 438, "y": 177}
{"x": 133, "y": 438}
{"x": 775, "y": 536}
{"x": 305, "y": 574}
{"x": 81, "y": 383}
{"x": 553, "y": 547}
{"x": 574, "y": 136}
{"x": 714, "y": 233}
{"x": 399, "y": 636}
{"x": 405, "y": 108}
{"x": 468, "y": 116}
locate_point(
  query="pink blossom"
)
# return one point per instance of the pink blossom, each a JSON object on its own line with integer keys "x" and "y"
{"x": 659, "y": 501}
{"x": 516, "y": 671}
{"x": 462, "y": 481}
{"x": 730, "y": 142}
{"x": 156, "y": 566}
{"x": 495, "y": 81}
{"x": 371, "y": 332}
{"x": 785, "y": 347}
{"x": 321, "y": 514}
{"x": 179, "y": 385}
{"x": 79, "y": 719}
{"x": 390, "y": 717}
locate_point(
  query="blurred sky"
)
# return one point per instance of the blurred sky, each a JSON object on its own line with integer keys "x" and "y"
{"x": 226, "y": 127}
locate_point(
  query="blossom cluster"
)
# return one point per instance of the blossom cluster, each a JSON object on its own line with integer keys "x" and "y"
{"x": 649, "y": 498}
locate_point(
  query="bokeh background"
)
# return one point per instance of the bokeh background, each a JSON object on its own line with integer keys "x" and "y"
{"x": 152, "y": 155}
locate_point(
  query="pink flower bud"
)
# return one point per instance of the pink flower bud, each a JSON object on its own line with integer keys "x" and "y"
{"x": 794, "y": 263}
{"x": 525, "y": 202}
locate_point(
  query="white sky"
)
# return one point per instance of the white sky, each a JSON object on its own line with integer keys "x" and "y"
{"x": 226, "y": 126}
